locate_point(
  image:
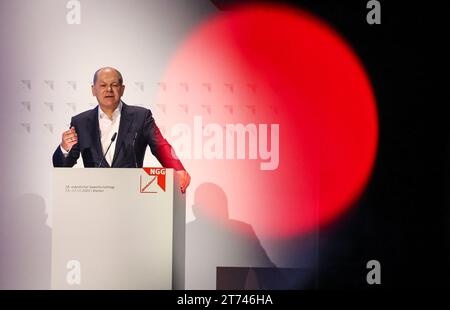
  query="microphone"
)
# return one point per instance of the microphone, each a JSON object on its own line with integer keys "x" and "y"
{"x": 103, "y": 157}
{"x": 134, "y": 151}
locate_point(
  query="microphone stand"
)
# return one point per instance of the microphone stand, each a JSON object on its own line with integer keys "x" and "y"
{"x": 112, "y": 140}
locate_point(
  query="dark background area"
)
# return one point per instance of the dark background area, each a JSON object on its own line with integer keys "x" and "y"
{"x": 402, "y": 219}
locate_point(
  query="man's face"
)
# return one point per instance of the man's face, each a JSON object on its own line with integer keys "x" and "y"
{"x": 108, "y": 89}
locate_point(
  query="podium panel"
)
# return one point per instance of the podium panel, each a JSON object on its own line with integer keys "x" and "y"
{"x": 120, "y": 228}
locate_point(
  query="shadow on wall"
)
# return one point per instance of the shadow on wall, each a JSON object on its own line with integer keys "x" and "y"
{"x": 25, "y": 244}
{"x": 214, "y": 240}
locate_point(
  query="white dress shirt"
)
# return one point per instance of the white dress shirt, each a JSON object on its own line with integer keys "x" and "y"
{"x": 107, "y": 129}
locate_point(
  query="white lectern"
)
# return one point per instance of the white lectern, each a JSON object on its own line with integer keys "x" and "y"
{"x": 120, "y": 228}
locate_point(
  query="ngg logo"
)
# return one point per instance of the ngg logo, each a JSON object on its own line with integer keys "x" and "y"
{"x": 147, "y": 180}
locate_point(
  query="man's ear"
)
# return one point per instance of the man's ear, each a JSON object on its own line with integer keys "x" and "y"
{"x": 122, "y": 89}
{"x": 92, "y": 90}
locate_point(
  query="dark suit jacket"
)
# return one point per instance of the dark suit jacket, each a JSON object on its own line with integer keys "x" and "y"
{"x": 132, "y": 120}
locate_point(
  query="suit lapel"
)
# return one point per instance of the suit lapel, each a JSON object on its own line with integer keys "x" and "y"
{"x": 126, "y": 119}
{"x": 94, "y": 130}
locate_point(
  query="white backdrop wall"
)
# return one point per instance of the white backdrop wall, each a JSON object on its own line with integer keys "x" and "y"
{"x": 48, "y": 66}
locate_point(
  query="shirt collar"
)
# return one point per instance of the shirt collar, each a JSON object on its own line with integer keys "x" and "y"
{"x": 116, "y": 113}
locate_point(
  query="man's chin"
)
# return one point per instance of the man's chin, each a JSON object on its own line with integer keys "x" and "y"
{"x": 109, "y": 103}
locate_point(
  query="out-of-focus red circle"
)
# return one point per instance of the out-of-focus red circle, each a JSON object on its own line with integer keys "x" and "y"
{"x": 278, "y": 65}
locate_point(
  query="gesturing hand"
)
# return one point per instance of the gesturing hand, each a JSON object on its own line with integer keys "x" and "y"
{"x": 69, "y": 139}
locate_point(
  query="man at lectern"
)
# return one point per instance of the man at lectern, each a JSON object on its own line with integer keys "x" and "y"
{"x": 114, "y": 134}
